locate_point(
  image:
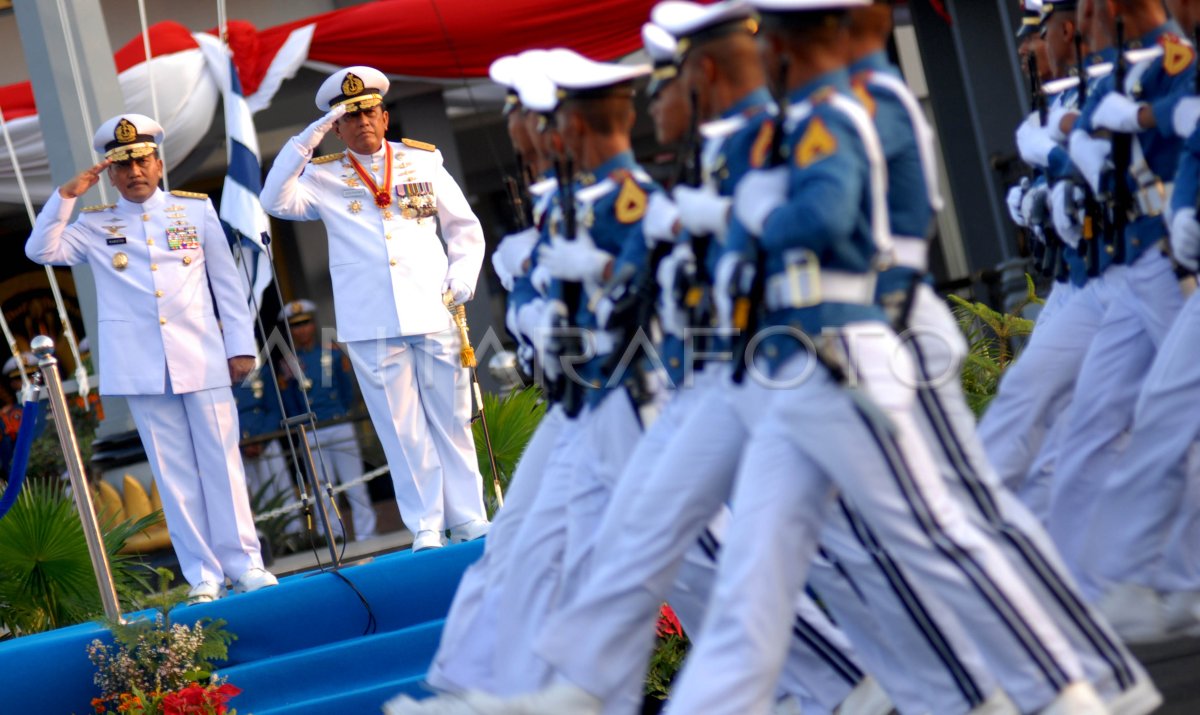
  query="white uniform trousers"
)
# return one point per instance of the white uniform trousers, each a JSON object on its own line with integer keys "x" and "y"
{"x": 1060, "y": 294}
{"x": 1144, "y": 528}
{"x": 467, "y": 648}
{"x": 419, "y": 398}
{"x": 813, "y": 439}
{"x": 530, "y": 587}
{"x": 602, "y": 640}
{"x": 949, "y": 428}
{"x": 268, "y": 472}
{"x": 1144, "y": 302}
{"x": 1037, "y": 387}
{"x": 191, "y": 442}
{"x": 341, "y": 458}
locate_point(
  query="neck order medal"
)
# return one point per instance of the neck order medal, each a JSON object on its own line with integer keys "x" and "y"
{"x": 383, "y": 196}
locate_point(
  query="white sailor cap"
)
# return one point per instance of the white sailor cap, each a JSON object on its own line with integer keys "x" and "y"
{"x": 503, "y": 71}
{"x": 660, "y": 45}
{"x": 127, "y": 136}
{"x": 298, "y": 311}
{"x": 694, "y": 23}
{"x": 578, "y": 77}
{"x": 1031, "y": 18}
{"x": 358, "y": 87}
{"x": 534, "y": 88}
{"x": 785, "y": 6}
{"x": 10, "y": 366}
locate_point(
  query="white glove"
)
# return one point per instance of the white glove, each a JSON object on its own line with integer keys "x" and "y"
{"x": 1034, "y": 143}
{"x": 758, "y": 194}
{"x": 702, "y": 211}
{"x": 1090, "y": 156}
{"x": 1117, "y": 113}
{"x": 540, "y": 278}
{"x": 1186, "y": 116}
{"x": 1065, "y": 199}
{"x": 723, "y": 291}
{"x": 673, "y": 319}
{"x": 1033, "y": 205}
{"x": 512, "y": 323}
{"x": 1185, "y": 239}
{"x": 577, "y": 260}
{"x": 315, "y": 132}
{"x": 603, "y": 311}
{"x": 455, "y": 291}
{"x": 1016, "y": 196}
{"x": 510, "y": 255}
{"x": 1054, "y": 119}
{"x": 534, "y": 321}
{"x": 659, "y": 223}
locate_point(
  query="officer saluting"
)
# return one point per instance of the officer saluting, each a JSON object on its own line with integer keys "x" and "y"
{"x": 379, "y": 201}
{"x": 163, "y": 270}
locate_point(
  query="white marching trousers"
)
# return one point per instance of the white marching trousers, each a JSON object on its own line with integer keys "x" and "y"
{"x": 269, "y": 473}
{"x": 342, "y": 460}
{"x": 813, "y": 439}
{"x": 1037, "y": 387}
{"x": 419, "y": 398}
{"x": 467, "y": 648}
{"x": 1144, "y": 303}
{"x": 1144, "y": 530}
{"x": 949, "y": 428}
{"x": 191, "y": 442}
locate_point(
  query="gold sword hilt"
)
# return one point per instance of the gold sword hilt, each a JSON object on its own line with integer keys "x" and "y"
{"x": 466, "y": 355}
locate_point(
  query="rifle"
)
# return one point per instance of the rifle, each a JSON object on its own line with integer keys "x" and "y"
{"x": 567, "y": 341}
{"x": 1092, "y": 215}
{"x": 750, "y": 302}
{"x": 692, "y": 282}
{"x": 1122, "y": 155}
{"x": 1043, "y": 255}
{"x": 516, "y": 190}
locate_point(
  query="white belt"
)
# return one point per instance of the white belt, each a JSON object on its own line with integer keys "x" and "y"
{"x": 911, "y": 252}
{"x": 1154, "y": 198}
{"x": 803, "y": 289}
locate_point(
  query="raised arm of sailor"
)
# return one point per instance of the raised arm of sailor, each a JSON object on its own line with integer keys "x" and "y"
{"x": 228, "y": 289}
{"x": 288, "y": 192}
{"x": 53, "y": 241}
{"x": 461, "y": 230}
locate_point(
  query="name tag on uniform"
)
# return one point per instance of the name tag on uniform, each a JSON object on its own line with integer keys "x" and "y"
{"x": 351, "y": 193}
{"x": 116, "y": 241}
{"x": 182, "y": 238}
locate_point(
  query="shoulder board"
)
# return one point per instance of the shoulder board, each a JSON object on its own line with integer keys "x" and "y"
{"x": 98, "y": 207}
{"x": 189, "y": 194}
{"x": 631, "y": 202}
{"x": 863, "y": 95}
{"x": 328, "y": 158}
{"x": 418, "y": 145}
{"x": 1177, "y": 54}
{"x": 762, "y": 144}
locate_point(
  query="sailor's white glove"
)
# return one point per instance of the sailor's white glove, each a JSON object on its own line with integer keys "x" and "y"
{"x": 702, "y": 211}
{"x": 1117, "y": 112}
{"x": 510, "y": 255}
{"x": 1185, "y": 239}
{"x": 670, "y": 313}
{"x": 1033, "y": 205}
{"x": 1015, "y": 198}
{"x": 577, "y": 260}
{"x": 1034, "y": 143}
{"x": 1090, "y": 155}
{"x": 660, "y": 223}
{"x": 1186, "y": 116}
{"x": 757, "y": 196}
{"x": 455, "y": 291}
{"x": 311, "y": 137}
{"x": 1065, "y": 200}
{"x": 541, "y": 279}
{"x": 1054, "y": 119}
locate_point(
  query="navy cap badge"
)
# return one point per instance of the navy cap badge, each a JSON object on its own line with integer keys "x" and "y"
{"x": 352, "y": 84}
{"x": 125, "y": 132}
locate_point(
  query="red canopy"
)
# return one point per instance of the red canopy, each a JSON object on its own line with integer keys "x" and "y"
{"x": 441, "y": 39}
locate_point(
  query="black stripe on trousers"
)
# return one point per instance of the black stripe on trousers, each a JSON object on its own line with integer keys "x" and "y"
{"x": 985, "y": 501}
{"x": 833, "y": 656}
{"x": 953, "y": 552}
{"x": 915, "y": 607}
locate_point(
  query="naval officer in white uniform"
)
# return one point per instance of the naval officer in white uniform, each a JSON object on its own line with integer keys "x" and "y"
{"x": 382, "y": 203}
{"x": 163, "y": 272}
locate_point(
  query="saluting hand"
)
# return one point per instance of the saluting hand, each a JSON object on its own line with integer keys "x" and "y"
{"x": 86, "y": 179}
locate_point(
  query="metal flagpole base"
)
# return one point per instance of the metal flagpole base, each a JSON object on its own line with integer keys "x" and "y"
{"x": 43, "y": 348}
{"x": 301, "y": 424}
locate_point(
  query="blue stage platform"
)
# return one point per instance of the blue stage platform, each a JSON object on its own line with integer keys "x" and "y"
{"x": 302, "y": 647}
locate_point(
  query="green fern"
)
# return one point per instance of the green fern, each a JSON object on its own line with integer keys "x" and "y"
{"x": 46, "y": 577}
{"x": 512, "y": 421}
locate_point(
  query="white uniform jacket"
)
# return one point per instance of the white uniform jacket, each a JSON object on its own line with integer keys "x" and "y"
{"x": 387, "y": 269}
{"x": 158, "y": 266}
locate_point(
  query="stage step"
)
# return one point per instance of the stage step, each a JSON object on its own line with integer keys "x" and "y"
{"x": 314, "y": 679}
{"x": 364, "y": 701}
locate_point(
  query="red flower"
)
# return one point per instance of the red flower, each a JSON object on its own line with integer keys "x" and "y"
{"x": 98, "y": 704}
{"x": 668, "y": 624}
{"x": 172, "y": 704}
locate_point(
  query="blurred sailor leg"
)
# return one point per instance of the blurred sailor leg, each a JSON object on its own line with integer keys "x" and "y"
{"x": 342, "y": 458}
{"x": 191, "y": 442}
{"x": 420, "y": 402}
